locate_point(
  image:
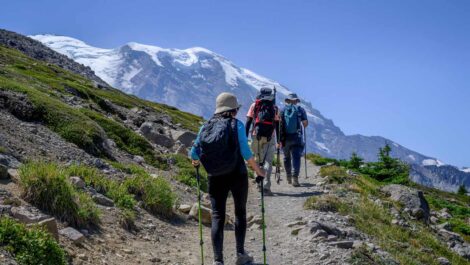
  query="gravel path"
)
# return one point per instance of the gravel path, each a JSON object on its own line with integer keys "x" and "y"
{"x": 286, "y": 206}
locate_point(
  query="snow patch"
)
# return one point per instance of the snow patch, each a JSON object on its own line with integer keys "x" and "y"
{"x": 322, "y": 146}
{"x": 432, "y": 162}
{"x": 466, "y": 169}
{"x": 412, "y": 157}
{"x": 127, "y": 77}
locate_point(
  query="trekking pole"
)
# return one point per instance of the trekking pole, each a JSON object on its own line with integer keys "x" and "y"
{"x": 260, "y": 181}
{"x": 263, "y": 225}
{"x": 201, "y": 242}
{"x": 305, "y": 154}
{"x": 278, "y": 166}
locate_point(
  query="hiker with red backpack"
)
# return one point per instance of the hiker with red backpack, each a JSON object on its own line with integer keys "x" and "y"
{"x": 293, "y": 118}
{"x": 222, "y": 146}
{"x": 264, "y": 116}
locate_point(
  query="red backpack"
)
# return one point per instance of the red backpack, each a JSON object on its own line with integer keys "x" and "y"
{"x": 265, "y": 113}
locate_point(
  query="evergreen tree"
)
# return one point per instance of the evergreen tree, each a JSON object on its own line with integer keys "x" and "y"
{"x": 462, "y": 190}
{"x": 355, "y": 161}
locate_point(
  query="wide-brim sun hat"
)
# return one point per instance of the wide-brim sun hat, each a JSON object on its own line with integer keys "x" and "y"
{"x": 226, "y": 102}
{"x": 292, "y": 97}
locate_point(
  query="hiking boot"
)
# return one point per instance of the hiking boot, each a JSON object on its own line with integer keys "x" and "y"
{"x": 268, "y": 192}
{"x": 243, "y": 259}
{"x": 295, "y": 182}
{"x": 289, "y": 180}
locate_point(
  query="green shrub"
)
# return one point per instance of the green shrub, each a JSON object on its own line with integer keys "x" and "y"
{"x": 46, "y": 186}
{"x": 3, "y": 149}
{"x": 462, "y": 190}
{"x": 321, "y": 161}
{"x": 335, "y": 174}
{"x": 187, "y": 173}
{"x": 30, "y": 246}
{"x": 355, "y": 162}
{"x": 155, "y": 193}
{"x": 325, "y": 203}
{"x": 387, "y": 169}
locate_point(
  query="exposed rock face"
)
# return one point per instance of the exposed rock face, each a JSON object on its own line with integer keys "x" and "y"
{"x": 443, "y": 177}
{"x": 412, "y": 199}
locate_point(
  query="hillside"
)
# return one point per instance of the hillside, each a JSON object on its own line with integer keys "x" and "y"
{"x": 91, "y": 175}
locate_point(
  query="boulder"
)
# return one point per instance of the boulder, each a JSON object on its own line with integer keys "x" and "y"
{"x": 73, "y": 235}
{"x": 102, "y": 200}
{"x": 77, "y": 182}
{"x": 9, "y": 161}
{"x": 156, "y": 133}
{"x": 411, "y": 199}
{"x": 28, "y": 215}
{"x": 185, "y": 137}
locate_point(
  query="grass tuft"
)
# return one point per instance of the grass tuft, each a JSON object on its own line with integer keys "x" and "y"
{"x": 187, "y": 173}
{"x": 325, "y": 203}
{"x": 335, "y": 174}
{"x": 46, "y": 186}
{"x": 155, "y": 193}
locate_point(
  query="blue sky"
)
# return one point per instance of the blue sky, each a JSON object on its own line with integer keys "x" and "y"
{"x": 399, "y": 69}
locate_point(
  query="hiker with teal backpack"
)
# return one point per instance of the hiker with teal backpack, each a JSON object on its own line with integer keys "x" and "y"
{"x": 293, "y": 119}
{"x": 264, "y": 116}
{"x": 221, "y": 146}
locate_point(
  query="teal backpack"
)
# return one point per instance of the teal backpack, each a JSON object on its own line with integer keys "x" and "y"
{"x": 292, "y": 119}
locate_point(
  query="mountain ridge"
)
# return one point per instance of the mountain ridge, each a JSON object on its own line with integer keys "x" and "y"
{"x": 172, "y": 76}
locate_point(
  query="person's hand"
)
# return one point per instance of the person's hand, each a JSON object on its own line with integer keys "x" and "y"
{"x": 195, "y": 163}
{"x": 278, "y": 145}
{"x": 259, "y": 179}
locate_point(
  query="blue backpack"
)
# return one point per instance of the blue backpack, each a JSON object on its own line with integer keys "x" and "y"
{"x": 291, "y": 118}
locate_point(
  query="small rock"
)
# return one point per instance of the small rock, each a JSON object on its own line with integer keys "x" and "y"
{"x": 184, "y": 208}
{"x": 50, "y": 225}
{"x": 138, "y": 159}
{"x": 72, "y": 234}
{"x": 13, "y": 175}
{"x": 128, "y": 251}
{"x": 102, "y": 200}
{"x": 332, "y": 238}
{"x": 296, "y": 231}
{"x": 342, "y": 244}
{"x": 320, "y": 233}
{"x": 206, "y": 214}
{"x": 77, "y": 182}
{"x": 445, "y": 226}
{"x": 443, "y": 261}
{"x": 296, "y": 223}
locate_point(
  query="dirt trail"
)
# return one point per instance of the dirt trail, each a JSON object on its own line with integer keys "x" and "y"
{"x": 286, "y": 206}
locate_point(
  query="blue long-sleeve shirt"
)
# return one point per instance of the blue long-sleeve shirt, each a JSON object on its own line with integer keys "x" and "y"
{"x": 242, "y": 140}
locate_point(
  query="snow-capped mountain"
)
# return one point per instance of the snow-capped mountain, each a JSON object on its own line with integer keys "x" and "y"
{"x": 190, "y": 79}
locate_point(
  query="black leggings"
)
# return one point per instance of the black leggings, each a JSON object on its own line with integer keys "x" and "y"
{"x": 219, "y": 186}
